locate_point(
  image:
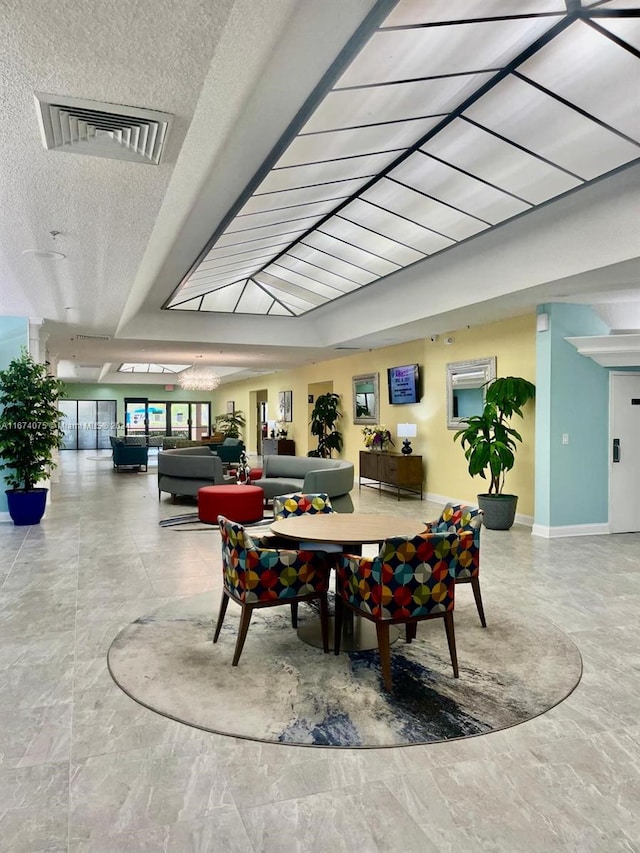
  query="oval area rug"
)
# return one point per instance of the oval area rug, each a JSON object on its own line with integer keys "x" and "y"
{"x": 286, "y": 691}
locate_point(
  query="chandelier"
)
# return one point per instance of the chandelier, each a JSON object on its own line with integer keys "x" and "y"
{"x": 199, "y": 379}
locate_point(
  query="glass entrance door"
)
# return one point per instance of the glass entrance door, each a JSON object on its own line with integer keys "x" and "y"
{"x": 179, "y": 419}
{"x": 200, "y": 419}
{"x": 156, "y": 418}
{"x": 135, "y": 418}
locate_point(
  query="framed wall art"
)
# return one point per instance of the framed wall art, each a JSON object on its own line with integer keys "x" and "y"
{"x": 365, "y": 399}
{"x": 285, "y": 405}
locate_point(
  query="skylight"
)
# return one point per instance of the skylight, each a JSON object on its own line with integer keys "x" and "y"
{"x": 150, "y": 367}
{"x": 452, "y": 118}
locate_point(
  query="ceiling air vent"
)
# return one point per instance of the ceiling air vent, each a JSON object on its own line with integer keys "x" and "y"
{"x": 102, "y": 130}
{"x": 93, "y": 338}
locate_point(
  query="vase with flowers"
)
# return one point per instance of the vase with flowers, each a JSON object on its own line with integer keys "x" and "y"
{"x": 377, "y": 437}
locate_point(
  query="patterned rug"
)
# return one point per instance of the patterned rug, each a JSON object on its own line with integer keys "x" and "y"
{"x": 286, "y": 691}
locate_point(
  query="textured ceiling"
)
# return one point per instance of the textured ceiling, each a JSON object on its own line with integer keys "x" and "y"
{"x": 234, "y": 75}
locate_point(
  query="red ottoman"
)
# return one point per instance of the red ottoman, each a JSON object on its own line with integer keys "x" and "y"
{"x": 237, "y": 503}
{"x": 255, "y": 474}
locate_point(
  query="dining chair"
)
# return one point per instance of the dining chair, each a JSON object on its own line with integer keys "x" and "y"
{"x": 410, "y": 580}
{"x": 257, "y": 577}
{"x": 460, "y": 518}
{"x": 295, "y": 504}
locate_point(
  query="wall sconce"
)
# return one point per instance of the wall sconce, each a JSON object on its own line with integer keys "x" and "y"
{"x": 407, "y": 431}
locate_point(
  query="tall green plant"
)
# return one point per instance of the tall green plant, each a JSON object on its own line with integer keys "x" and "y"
{"x": 324, "y": 417}
{"x": 30, "y": 427}
{"x": 488, "y": 440}
{"x": 231, "y": 423}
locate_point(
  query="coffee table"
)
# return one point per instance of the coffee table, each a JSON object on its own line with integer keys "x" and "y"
{"x": 346, "y": 529}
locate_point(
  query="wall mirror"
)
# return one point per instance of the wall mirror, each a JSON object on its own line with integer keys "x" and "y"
{"x": 465, "y": 391}
{"x": 365, "y": 399}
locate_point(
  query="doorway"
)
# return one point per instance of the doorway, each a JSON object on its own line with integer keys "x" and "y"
{"x": 259, "y": 401}
{"x": 624, "y": 452}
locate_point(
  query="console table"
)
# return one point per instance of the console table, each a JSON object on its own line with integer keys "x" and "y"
{"x": 278, "y": 447}
{"x": 393, "y": 469}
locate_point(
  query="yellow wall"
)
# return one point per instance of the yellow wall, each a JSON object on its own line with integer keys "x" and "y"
{"x": 511, "y": 341}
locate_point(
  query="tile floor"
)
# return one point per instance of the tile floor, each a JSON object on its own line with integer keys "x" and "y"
{"x": 84, "y": 768}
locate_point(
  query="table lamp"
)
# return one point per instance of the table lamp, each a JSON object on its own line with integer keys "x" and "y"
{"x": 407, "y": 431}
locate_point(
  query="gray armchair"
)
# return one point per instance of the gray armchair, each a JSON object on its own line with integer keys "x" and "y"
{"x": 185, "y": 470}
{"x": 229, "y": 451}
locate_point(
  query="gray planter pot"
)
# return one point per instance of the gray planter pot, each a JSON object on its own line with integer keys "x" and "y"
{"x": 499, "y": 510}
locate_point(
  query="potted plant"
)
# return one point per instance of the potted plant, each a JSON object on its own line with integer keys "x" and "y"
{"x": 230, "y": 424}
{"x": 29, "y": 433}
{"x": 490, "y": 443}
{"x": 377, "y": 437}
{"x": 324, "y": 417}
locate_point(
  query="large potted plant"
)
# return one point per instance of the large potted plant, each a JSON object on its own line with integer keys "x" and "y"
{"x": 490, "y": 443}
{"x": 230, "y": 424}
{"x": 30, "y": 431}
{"x": 324, "y": 417}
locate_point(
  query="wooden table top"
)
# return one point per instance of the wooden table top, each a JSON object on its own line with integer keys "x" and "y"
{"x": 342, "y": 528}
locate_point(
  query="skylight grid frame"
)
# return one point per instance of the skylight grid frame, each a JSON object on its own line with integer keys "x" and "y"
{"x": 314, "y": 270}
{"x": 563, "y": 22}
{"x": 330, "y": 263}
{"x": 307, "y": 273}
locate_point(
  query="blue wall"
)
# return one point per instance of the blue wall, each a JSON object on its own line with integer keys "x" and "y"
{"x": 572, "y": 480}
{"x": 14, "y": 334}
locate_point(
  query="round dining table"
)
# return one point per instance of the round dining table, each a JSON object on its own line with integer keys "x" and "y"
{"x": 345, "y": 528}
{"x": 350, "y": 531}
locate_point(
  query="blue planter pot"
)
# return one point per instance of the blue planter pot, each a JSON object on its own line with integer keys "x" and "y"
{"x": 26, "y": 507}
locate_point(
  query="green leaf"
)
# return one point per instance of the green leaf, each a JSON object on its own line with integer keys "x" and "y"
{"x": 488, "y": 440}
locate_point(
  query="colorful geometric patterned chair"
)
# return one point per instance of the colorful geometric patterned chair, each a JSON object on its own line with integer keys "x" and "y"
{"x": 410, "y": 580}
{"x": 299, "y": 504}
{"x": 265, "y": 577}
{"x": 460, "y": 518}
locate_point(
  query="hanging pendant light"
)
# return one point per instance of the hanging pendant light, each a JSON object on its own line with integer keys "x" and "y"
{"x": 199, "y": 379}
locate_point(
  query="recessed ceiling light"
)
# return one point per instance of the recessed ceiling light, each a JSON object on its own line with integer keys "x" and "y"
{"x": 40, "y": 253}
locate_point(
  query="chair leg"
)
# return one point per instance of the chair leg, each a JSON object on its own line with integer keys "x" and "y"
{"x": 245, "y": 619}
{"x": 294, "y": 614}
{"x": 475, "y": 586}
{"x": 451, "y": 640}
{"x": 338, "y": 616}
{"x": 382, "y": 631}
{"x": 410, "y": 629}
{"x": 324, "y": 622}
{"x": 223, "y": 609}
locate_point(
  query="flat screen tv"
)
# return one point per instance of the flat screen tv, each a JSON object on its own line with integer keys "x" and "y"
{"x": 404, "y": 384}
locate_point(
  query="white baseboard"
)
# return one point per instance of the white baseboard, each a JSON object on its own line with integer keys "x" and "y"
{"x": 570, "y": 530}
{"x": 444, "y": 499}
{"x": 5, "y": 518}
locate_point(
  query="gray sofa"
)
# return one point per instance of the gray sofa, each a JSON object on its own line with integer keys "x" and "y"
{"x": 282, "y": 475}
{"x": 185, "y": 470}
